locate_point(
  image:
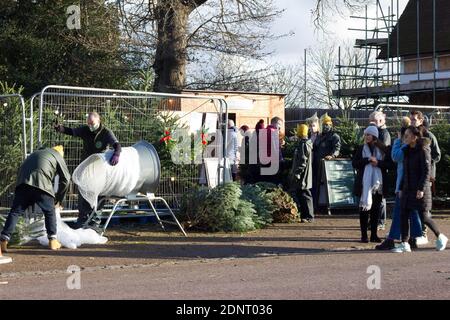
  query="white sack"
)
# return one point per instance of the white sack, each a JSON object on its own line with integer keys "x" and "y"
{"x": 96, "y": 177}
{"x": 72, "y": 239}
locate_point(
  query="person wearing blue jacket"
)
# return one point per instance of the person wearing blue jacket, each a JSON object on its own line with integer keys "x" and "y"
{"x": 397, "y": 154}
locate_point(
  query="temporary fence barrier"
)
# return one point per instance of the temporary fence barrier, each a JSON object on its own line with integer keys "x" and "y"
{"x": 132, "y": 116}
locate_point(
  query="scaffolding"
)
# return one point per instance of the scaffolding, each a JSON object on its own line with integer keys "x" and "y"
{"x": 373, "y": 81}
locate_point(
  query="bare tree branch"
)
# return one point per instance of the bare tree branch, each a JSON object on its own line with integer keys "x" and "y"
{"x": 323, "y": 8}
{"x": 184, "y": 31}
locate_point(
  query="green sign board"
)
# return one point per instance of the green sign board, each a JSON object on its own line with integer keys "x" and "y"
{"x": 339, "y": 178}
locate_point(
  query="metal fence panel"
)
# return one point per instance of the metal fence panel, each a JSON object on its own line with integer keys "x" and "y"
{"x": 131, "y": 115}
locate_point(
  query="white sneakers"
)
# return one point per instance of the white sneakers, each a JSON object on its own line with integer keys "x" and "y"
{"x": 421, "y": 241}
{"x": 402, "y": 247}
{"x": 5, "y": 260}
{"x": 441, "y": 242}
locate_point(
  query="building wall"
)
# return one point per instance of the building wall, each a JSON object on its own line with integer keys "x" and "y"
{"x": 408, "y": 78}
{"x": 410, "y": 65}
{"x": 245, "y": 108}
{"x": 442, "y": 99}
{"x": 444, "y": 63}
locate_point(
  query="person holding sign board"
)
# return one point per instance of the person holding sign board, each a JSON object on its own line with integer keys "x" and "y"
{"x": 326, "y": 146}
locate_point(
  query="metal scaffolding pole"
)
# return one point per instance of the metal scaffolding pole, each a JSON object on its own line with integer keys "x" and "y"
{"x": 379, "y": 74}
{"x": 391, "y": 20}
{"x": 371, "y": 72}
{"x": 434, "y": 52}
{"x": 367, "y": 61}
{"x": 418, "y": 39}
{"x": 398, "y": 52}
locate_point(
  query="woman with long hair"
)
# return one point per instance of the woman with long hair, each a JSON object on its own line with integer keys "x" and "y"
{"x": 371, "y": 161}
{"x": 398, "y": 155}
{"x": 415, "y": 189}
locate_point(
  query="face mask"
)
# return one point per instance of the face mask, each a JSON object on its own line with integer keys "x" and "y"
{"x": 94, "y": 127}
{"x": 326, "y": 129}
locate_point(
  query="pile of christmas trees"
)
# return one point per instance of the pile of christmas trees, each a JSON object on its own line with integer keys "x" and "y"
{"x": 231, "y": 207}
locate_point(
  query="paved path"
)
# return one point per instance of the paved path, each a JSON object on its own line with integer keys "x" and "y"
{"x": 298, "y": 261}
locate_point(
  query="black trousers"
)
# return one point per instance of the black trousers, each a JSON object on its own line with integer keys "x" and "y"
{"x": 374, "y": 214}
{"x": 305, "y": 200}
{"x": 85, "y": 209}
{"x": 425, "y": 218}
{"x": 24, "y": 197}
{"x": 315, "y": 186}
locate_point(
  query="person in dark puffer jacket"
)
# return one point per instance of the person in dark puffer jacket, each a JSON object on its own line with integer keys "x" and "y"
{"x": 416, "y": 188}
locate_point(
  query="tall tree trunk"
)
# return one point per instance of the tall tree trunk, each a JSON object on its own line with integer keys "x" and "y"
{"x": 170, "y": 59}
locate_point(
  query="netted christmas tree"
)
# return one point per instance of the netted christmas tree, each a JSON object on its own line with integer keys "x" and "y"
{"x": 192, "y": 208}
{"x": 286, "y": 210}
{"x": 26, "y": 230}
{"x": 231, "y": 207}
{"x": 223, "y": 208}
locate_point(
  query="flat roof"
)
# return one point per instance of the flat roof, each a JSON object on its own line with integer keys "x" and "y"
{"x": 235, "y": 92}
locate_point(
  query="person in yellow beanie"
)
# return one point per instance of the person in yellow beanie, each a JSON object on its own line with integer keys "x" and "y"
{"x": 59, "y": 149}
{"x": 302, "y": 131}
{"x": 34, "y": 186}
{"x": 327, "y": 121}
{"x": 328, "y": 144}
{"x": 302, "y": 174}
{"x": 326, "y": 147}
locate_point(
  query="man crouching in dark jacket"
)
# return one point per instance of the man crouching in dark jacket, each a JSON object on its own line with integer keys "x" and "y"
{"x": 35, "y": 186}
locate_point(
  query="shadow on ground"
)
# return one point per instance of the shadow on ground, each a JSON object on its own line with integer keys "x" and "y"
{"x": 144, "y": 244}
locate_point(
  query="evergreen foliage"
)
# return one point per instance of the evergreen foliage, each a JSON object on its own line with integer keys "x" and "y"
{"x": 232, "y": 208}
{"x": 37, "y": 48}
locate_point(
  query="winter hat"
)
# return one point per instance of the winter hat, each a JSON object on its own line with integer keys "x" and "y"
{"x": 59, "y": 149}
{"x": 327, "y": 120}
{"x": 302, "y": 131}
{"x": 372, "y": 130}
{"x": 312, "y": 119}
